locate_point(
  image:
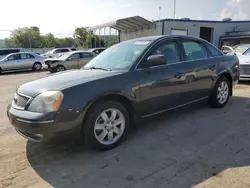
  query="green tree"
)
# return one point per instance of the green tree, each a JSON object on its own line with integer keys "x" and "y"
{"x": 94, "y": 41}
{"x": 25, "y": 37}
{"x": 111, "y": 43}
{"x": 80, "y": 35}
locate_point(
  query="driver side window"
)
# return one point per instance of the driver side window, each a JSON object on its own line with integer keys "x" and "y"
{"x": 169, "y": 50}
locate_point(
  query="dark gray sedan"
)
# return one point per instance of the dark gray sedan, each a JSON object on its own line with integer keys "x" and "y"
{"x": 128, "y": 81}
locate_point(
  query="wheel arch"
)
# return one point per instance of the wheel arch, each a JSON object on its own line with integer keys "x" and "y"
{"x": 124, "y": 100}
{"x": 229, "y": 77}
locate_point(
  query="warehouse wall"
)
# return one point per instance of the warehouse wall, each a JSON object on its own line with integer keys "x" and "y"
{"x": 193, "y": 28}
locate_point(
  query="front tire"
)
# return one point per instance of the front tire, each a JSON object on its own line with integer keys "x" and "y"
{"x": 37, "y": 66}
{"x": 60, "y": 68}
{"x": 106, "y": 125}
{"x": 221, "y": 93}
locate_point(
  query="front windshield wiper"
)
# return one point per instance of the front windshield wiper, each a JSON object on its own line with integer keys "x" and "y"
{"x": 100, "y": 68}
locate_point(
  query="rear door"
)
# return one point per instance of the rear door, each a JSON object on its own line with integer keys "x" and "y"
{"x": 85, "y": 58}
{"x": 200, "y": 69}
{"x": 26, "y": 61}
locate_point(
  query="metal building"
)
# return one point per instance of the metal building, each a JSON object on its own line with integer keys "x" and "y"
{"x": 226, "y": 32}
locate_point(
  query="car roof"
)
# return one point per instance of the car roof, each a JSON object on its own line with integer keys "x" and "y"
{"x": 154, "y": 38}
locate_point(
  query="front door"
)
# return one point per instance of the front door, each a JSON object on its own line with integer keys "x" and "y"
{"x": 73, "y": 61}
{"x": 161, "y": 86}
{"x": 11, "y": 63}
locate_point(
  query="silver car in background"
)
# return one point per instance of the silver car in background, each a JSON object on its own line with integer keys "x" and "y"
{"x": 21, "y": 61}
{"x": 70, "y": 60}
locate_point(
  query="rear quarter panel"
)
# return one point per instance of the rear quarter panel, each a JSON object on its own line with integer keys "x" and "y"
{"x": 228, "y": 64}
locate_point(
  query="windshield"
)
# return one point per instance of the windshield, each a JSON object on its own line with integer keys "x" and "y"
{"x": 120, "y": 56}
{"x": 241, "y": 48}
{"x": 65, "y": 56}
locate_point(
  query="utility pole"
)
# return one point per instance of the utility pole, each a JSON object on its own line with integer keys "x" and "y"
{"x": 159, "y": 12}
{"x": 174, "y": 9}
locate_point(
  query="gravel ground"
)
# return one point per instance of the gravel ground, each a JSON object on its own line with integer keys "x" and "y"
{"x": 192, "y": 147}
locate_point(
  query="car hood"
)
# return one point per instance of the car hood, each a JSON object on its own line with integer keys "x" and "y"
{"x": 64, "y": 80}
{"x": 244, "y": 59}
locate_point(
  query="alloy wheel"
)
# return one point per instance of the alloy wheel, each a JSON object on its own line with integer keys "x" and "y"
{"x": 109, "y": 126}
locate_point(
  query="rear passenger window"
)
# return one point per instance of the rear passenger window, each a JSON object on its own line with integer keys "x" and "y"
{"x": 213, "y": 51}
{"x": 194, "y": 50}
{"x": 86, "y": 54}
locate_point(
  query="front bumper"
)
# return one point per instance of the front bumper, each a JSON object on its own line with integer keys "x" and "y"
{"x": 43, "y": 127}
{"x": 244, "y": 77}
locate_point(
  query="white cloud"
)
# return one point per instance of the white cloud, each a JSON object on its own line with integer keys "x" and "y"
{"x": 236, "y": 9}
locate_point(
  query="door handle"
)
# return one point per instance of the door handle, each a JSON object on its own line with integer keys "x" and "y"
{"x": 178, "y": 75}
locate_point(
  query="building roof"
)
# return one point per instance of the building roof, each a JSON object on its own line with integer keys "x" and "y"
{"x": 202, "y": 21}
{"x": 126, "y": 24}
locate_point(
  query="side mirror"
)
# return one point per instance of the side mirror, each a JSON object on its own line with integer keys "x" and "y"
{"x": 69, "y": 59}
{"x": 155, "y": 60}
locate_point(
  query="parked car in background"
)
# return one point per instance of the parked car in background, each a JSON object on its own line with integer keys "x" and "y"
{"x": 56, "y": 52}
{"x": 6, "y": 51}
{"x": 243, "y": 53}
{"x": 21, "y": 61}
{"x": 236, "y": 50}
{"x": 130, "y": 80}
{"x": 97, "y": 50}
{"x": 70, "y": 60}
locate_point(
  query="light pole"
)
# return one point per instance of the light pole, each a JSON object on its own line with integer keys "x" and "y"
{"x": 174, "y": 8}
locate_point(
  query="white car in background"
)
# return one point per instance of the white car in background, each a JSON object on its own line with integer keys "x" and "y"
{"x": 243, "y": 53}
{"x": 57, "y": 52}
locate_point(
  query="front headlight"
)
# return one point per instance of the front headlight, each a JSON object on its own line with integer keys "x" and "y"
{"x": 48, "y": 101}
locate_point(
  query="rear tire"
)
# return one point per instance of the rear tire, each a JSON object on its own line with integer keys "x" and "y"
{"x": 221, "y": 93}
{"x": 60, "y": 68}
{"x": 101, "y": 130}
{"x": 37, "y": 66}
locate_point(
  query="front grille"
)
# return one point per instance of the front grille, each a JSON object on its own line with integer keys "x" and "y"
{"x": 20, "y": 100}
{"x": 244, "y": 69}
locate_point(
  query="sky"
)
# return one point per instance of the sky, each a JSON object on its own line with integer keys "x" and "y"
{"x": 61, "y": 17}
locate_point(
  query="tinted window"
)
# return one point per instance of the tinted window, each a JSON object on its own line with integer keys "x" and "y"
{"x": 169, "y": 50}
{"x": 13, "y": 51}
{"x": 61, "y": 50}
{"x": 7, "y": 52}
{"x": 75, "y": 56}
{"x": 194, "y": 50}
{"x": 213, "y": 51}
{"x": 14, "y": 57}
{"x": 73, "y": 49}
{"x": 86, "y": 54}
{"x": 26, "y": 56}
